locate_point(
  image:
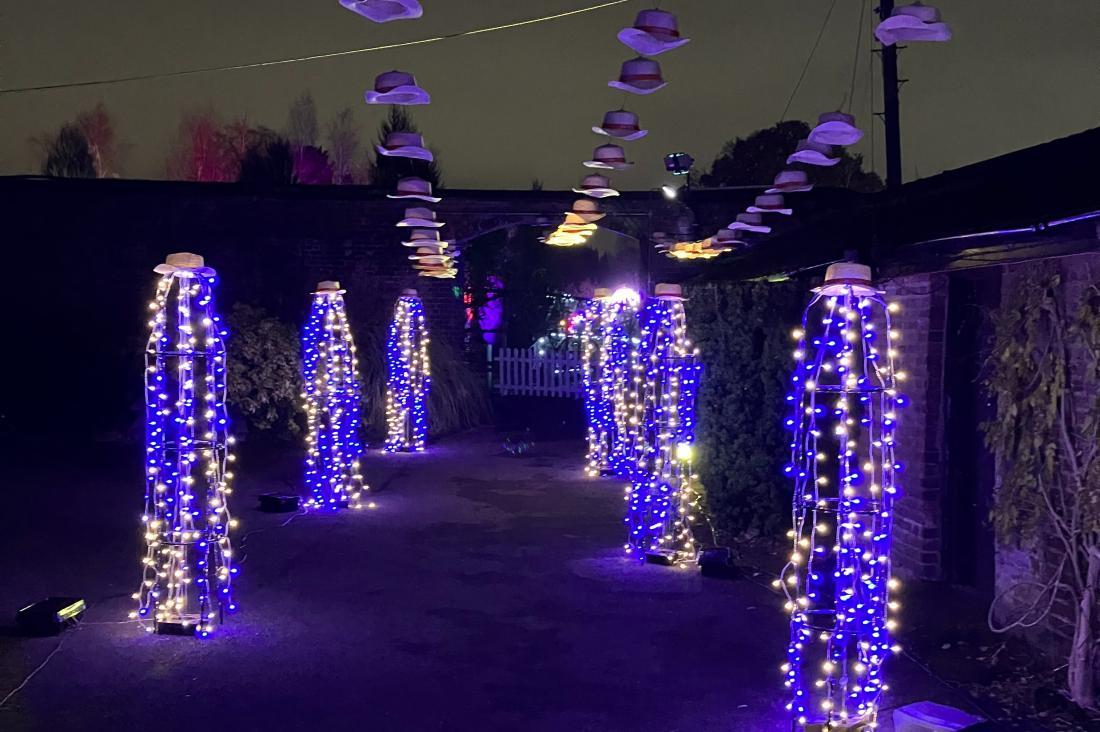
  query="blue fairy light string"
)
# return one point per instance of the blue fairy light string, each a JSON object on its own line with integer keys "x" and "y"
{"x": 186, "y": 568}
{"x": 408, "y": 376}
{"x": 331, "y": 394}
{"x": 844, "y": 403}
{"x": 662, "y": 497}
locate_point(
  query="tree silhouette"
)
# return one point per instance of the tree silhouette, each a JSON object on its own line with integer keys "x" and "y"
{"x": 301, "y": 121}
{"x": 68, "y": 155}
{"x": 756, "y": 159}
{"x": 199, "y": 152}
{"x": 268, "y": 159}
{"x": 343, "y": 145}
{"x": 99, "y": 133}
{"x": 386, "y": 171}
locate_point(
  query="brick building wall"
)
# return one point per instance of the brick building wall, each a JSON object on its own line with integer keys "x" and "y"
{"x": 917, "y": 518}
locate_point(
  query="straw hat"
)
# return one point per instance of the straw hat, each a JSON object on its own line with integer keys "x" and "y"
{"x": 601, "y": 293}
{"x": 397, "y": 87}
{"x": 420, "y": 216}
{"x": 842, "y": 275}
{"x": 654, "y": 31}
{"x": 791, "y": 181}
{"x": 328, "y": 287}
{"x": 404, "y": 145}
{"x": 422, "y": 237}
{"x": 383, "y": 11}
{"x": 621, "y": 124}
{"x": 728, "y": 237}
{"x": 770, "y": 203}
{"x": 813, "y": 153}
{"x": 914, "y": 22}
{"x": 588, "y": 210}
{"x": 608, "y": 157}
{"x": 750, "y": 222}
{"x": 184, "y": 264}
{"x": 836, "y": 128}
{"x": 429, "y": 255}
{"x": 639, "y": 76}
{"x": 414, "y": 188}
{"x": 597, "y": 186}
{"x": 667, "y": 291}
{"x": 409, "y": 292}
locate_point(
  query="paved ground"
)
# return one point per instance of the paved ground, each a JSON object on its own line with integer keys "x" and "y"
{"x": 485, "y": 593}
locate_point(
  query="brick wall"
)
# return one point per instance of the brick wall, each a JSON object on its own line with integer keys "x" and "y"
{"x": 920, "y": 322}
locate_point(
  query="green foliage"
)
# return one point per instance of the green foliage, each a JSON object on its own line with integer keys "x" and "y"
{"x": 756, "y": 159}
{"x": 68, "y": 155}
{"x": 264, "y": 371}
{"x": 1042, "y": 372}
{"x": 743, "y": 332}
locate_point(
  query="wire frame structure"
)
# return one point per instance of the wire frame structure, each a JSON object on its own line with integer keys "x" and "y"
{"x": 331, "y": 394}
{"x": 605, "y": 329}
{"x": 662, "y": 497}
{"x": 186, "y": 569}
{"x": 844, "y": 403}
{"x": 409, "y": 379}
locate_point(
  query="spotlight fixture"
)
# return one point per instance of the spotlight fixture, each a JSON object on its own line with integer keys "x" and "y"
{"x": 679, "y": 163}
{"x": 671, "y": 192}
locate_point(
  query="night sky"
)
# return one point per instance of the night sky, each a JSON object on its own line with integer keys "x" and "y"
{"x": 517, "y": 105}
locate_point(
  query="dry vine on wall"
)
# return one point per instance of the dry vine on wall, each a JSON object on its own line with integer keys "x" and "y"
{"x": 1044, "y": 373}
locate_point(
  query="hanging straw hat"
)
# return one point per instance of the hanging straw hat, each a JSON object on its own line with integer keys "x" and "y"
{"x": 597, "y": 186}
{"x": 428, "y": 255}
{"x": 791, "y": 181}
{"x": 655, "y": 31}
{"x": 422, "y": 237}
{"x": 404, "y": 145}
{"x": 414, "y": 188}
{"x": 914, "y": 22}
{"x": 750, "y": 222}
{"x": 639, "y": 76}
{"x": 842, "y": 275}
{"x": 813, "y": 153}
{"x": 588, "y": 210}
{"x": 184, "y": 264}
{"x": 621, "y": 124}
{"x": 836, "y": 128}
{"x": 397, "y": 87}
{"x": 769, "y": 203}
{"x": 667, "y": 291}
{"x": 328, "y": 287}
{"x": 383, "y": 11}
{"x": 420, "y": 216}
{"x": 729, "y": 237}
{"x": 608, "y": 157}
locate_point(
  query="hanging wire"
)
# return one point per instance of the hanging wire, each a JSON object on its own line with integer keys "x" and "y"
{"x": 314, "y": 57}
{"x": 806, "y": 66}
{"x": 855, "y": 55}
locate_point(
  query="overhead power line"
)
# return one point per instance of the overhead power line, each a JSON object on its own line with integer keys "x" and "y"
{"x": 303, "y": 59}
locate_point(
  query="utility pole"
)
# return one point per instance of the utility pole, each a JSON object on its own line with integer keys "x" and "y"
{"x": 890, "y": 109}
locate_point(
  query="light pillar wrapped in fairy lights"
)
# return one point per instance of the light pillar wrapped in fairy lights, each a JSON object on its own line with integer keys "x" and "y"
{"x": 187, "y": 564}
{"x": 662, "y": 498}
{"x": 844, "y": 404}
{"x": 606, "y": 350}
{"x": 331, "y": 392}
{"x": 408, "y": 376}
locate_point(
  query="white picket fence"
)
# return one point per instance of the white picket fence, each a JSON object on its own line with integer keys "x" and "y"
{"x": 526, "y": 372}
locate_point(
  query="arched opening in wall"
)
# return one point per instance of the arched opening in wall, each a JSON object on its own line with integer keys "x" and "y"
{"x": 519, "y": 290}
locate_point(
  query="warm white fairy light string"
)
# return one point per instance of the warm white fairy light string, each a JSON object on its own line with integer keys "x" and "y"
{"x": 844, "y": 415}
{"x": 606, "y": 347}
{"x": 663, "y": 498}
{"x": 186, "y": 568}
{"x": 331, "y": 396}
{"x": 408, "y": 376}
